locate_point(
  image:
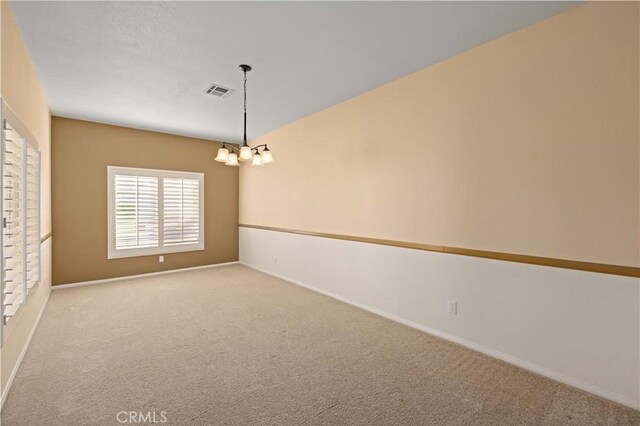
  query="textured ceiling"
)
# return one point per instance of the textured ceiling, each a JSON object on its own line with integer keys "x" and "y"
{"x": 147, "y": 64}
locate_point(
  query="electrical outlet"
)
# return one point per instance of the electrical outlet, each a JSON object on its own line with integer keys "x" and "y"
{"x": 275, "y": 260}
{"x": 453, "y": 307}
{"x": 161, "y": 259}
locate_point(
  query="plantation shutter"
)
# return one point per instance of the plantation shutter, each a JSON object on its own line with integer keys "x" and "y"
{"x": 13, "y": 232}
{"x": 32, "y": 213}
{"x": 20, "y": 224}
{"x": 181, "y": 211}
{"x": 136, "y": 212}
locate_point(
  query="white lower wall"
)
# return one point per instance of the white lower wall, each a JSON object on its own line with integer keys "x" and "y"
{"x": 581, "y": 328}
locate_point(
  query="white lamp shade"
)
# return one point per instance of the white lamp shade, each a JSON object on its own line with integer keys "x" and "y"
{"x": 245, "y": 153}
{"x": 257, "y": 160}
{"x": 233, "y": 160}
{"x": 267, "y": 157}
{"x": 223, "y": 155}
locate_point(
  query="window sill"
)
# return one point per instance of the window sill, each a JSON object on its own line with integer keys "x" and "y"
{"x": 154, "y": 251}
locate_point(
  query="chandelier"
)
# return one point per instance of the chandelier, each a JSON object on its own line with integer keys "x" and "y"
{"x": 230, "y": 154}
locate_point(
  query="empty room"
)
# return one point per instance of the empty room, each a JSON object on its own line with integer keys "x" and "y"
{"x": 320, "y": 213}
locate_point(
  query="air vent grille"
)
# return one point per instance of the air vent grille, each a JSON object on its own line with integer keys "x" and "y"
{"x": 219, "y": 91}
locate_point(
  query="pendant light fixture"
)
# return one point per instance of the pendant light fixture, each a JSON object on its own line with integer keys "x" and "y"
{"x": 223, "y": 154}
{"x": 229, "y": 154}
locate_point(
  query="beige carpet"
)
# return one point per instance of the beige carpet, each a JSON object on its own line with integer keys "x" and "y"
{"x": 233, "y": 346}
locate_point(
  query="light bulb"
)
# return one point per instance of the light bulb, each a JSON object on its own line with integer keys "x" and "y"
{"x": 233, "y": 160}
{"x": 245, "y": 153}
{"x": 266, "y": 156}
{"x": 257, "y": 160}
{"x": 223, "y": 155}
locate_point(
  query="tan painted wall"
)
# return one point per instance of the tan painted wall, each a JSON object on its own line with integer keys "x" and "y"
{"x": 82, "y": 151}
{"x": 528, "y": 144}
{"x": 20, "y": 89}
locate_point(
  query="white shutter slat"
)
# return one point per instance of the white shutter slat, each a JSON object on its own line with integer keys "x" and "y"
{"x": 11, "y": 309}
{"x": 10, "y": 286}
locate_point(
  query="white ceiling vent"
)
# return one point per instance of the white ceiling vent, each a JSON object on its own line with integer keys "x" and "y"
{"x": 219, "y": 91}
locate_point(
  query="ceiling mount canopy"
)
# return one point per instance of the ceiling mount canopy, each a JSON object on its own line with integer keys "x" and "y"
{"x": 231, "y": 154}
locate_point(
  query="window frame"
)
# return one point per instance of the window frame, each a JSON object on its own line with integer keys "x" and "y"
{"x": 112, "y": 253}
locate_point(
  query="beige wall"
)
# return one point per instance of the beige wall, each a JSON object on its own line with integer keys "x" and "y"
{"x": 528, "y": 144}
{"x": 82, "y": 151}
{"x": 20, "y": 89}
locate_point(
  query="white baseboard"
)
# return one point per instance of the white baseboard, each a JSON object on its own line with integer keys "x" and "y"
{"x": 474, "y": 346}
{"x": 23, "y": 351}
{"x": 150, "y": 274}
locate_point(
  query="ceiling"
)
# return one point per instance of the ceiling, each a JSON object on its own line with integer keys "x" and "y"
{"x": 147, "y": 64}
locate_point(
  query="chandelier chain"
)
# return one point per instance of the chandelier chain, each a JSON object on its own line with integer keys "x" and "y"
{"x": 245, "y": 107}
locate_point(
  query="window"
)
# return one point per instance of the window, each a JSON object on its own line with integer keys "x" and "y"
{"x": 154, "y": 212}
{"x": 20, "y": 205}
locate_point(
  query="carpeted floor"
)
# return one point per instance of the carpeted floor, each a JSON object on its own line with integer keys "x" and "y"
{"x": 232, "y": 346}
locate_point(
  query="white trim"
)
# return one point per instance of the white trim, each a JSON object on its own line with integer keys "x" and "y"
{"x": 130, "y": 277}
{"x": 471, "y": 345}
{"x": 5, "y": 393}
